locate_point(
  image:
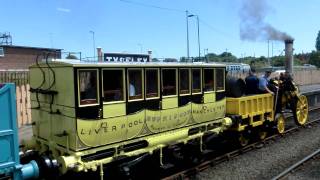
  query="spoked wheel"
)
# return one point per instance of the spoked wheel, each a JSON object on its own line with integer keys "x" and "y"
{"x": 243, "y": 140}
{"x": 300, "y": 110}
{"x": 280, "y": 123}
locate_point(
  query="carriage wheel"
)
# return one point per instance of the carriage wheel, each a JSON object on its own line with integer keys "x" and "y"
{"x": 262, "y": 134}
{"x": 243, "y": 140}
{"x": 280, "y": 124}
{"x": 300, "y": 110}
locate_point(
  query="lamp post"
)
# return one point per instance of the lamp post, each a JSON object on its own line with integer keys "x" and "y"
{"x": 140, "y": 45}
{"x": 198, "y": 27}
{"x": 187, "y": 16}
{"x": 94, "y": 44}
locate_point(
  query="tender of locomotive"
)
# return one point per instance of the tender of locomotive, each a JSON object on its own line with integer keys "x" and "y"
{"x": 87, "y": 115}
{"x": 257, "y": 114}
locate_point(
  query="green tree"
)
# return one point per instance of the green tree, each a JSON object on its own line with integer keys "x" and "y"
{"x": 318, "y": 42}
{"x": 71, "y": 56}
{"x": 315, "y": 58}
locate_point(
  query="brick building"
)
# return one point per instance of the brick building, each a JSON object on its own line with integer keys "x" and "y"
{"x": 21, "y": 57}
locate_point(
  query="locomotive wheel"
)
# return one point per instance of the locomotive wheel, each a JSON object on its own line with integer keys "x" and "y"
{"x": 300, "y": 110}
{"x": 243, "y": 140}
{"x": 280, "y": 124}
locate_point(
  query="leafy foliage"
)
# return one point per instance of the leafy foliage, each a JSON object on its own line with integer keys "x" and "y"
{"x": 315, "y": 58}
{"x": 318, "y": 42}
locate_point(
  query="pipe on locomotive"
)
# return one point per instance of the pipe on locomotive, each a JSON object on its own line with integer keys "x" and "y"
{"x": 289, "y": 56}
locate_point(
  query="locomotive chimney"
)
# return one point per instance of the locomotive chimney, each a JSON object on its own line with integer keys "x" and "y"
{"x": 100, "y": 54}
{"x": 289, "y": 55}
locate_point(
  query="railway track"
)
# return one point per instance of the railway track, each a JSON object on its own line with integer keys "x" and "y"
{"x": 298, "y": 164}
{"x": 191, "y": 171}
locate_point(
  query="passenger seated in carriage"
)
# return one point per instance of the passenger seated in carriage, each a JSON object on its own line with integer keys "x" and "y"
{"x": 252, "y": 82}
{"x": 264, "y": 86}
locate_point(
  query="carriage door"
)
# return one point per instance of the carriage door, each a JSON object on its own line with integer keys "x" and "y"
{"x": 114, "y": 104}
{"x": 169, "y": 88}
{"x": 88, "y": 94}
{"x": 152, "y": 89}
{"x": 184, "y": 87}
{"x": 208, "y": 88}
{"x": 135, "y": 91}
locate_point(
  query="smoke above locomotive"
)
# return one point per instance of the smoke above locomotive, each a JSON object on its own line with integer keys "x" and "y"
{"x": 253, "y": 26}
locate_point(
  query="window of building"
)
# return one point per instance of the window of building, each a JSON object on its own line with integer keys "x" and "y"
{"x": 88, "y": 87}
{"x": 113, "y": 85}
{"x": 196, "y": 81}
{"x": 208, "y": 80}
{"x": 152, "y": 83}
{"x": 220, "y": 78}
{"x": 169, "y": 82}
{"x": 1, "y": 52}
{"x": 135, "y": 84}
{"x": 184, "y": 81}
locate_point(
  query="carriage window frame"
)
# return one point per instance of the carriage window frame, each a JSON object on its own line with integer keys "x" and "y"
{"x": 201, "y": 89}
{"x": 189, "y": 74}
{"x": 146, "y": 85}
{"x": 123, "y": 86}
{"x": 203, "y": 81}
{"x": 142, "y": 85}
{"x": 216, "y": 82}
{"x": 176, "y": 74}
{"x": 98, "y": 87}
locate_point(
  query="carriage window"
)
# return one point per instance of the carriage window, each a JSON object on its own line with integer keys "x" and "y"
{"x": 88, "y": 87}
{"x": 135, "y": 84}
{"x": 184, "y": 81}
{"x": 196, "y": 80}
{"x": 152, "y": 83}
{"x": 208, "y": 80}
{"x": 113, "y": 85}
{"x": 169, "y": 82}
{"x": 220, "y": 79}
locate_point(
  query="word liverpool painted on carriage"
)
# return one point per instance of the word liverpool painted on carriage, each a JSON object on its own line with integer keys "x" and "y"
{"x": 120, "y": 57}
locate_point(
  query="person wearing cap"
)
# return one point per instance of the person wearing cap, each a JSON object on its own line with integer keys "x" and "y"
{"x": 263, "y": 83}
{"x": 252, "y": 82}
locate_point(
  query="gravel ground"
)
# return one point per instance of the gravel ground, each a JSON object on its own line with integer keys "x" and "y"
{"x": 270, "y": 160}
{"x": 311, "y": 170}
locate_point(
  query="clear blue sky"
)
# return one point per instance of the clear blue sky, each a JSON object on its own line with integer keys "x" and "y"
{"x": 126, "y": 27}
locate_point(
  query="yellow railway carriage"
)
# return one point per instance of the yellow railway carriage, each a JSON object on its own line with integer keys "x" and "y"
{"x": 86, "y": 115}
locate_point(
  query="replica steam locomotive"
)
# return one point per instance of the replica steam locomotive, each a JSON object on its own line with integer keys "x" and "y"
{"x": 86, "y": 115}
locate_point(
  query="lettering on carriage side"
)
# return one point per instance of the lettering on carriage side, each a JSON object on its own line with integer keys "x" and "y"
{"x": 103, "y": 128}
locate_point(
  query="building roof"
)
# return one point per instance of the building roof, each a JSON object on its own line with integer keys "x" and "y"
{"x": 28, "y": 47}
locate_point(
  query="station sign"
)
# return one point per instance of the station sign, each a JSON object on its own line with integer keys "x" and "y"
{"x": 121, "y": 57}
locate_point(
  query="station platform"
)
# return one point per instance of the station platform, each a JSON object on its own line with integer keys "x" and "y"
{"x": 307, "y": 89}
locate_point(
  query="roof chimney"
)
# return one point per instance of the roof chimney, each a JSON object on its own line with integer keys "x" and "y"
{"x": 100, "y": 54}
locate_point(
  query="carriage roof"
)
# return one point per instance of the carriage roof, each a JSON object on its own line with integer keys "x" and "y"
{"x": 78, "y": 63}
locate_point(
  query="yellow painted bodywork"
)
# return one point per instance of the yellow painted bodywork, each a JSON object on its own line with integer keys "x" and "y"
{"x": 114, "y": 110}
{"x": 62, "y": 133}
{"x": 94, "y": 133}
{"x": 251, "y": 108}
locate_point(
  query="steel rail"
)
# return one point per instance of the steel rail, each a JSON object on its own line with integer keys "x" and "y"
{"x": 296, "y": 165}
{"x": 227, "y": 156}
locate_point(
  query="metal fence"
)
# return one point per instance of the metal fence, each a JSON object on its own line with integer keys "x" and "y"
{"x": 19, "y": 77}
